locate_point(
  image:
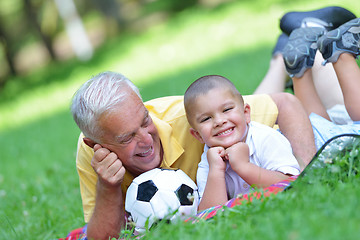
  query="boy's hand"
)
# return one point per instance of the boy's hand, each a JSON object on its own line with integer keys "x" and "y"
{"x": 107, "y": 166}
{"x": 216, "y": 157}
{"x": 238, "y": 155}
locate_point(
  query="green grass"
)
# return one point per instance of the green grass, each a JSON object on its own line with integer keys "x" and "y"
{"x": 321, "y": 204}
{"x": 39, "y": 190}
{"x": 309, "y": 212}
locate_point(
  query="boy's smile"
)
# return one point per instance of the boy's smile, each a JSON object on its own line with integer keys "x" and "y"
{"x": 220, "y": 118}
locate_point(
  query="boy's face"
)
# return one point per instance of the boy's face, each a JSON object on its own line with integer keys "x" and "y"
{"x": 219, "y": 118}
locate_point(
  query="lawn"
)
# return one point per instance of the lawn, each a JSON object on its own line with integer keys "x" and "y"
{"x": 39, "y": 190}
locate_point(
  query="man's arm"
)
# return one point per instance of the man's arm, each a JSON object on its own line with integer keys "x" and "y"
{"x": 109, "y": 215}
{"x": 294, "y": 123}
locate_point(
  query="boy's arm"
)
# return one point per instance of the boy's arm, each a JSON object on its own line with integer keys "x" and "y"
{"x": 254, "y": 175}
{"x": 215, "y": 189}
{"x": 258, "y": 176}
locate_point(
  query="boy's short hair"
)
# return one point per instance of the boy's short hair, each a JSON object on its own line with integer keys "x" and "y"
{"x": 203, "y": 85}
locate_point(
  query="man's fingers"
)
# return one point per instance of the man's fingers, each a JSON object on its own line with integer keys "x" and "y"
{"x": 97, "y": 147}
{"x": 115, "y": 172}
{"x": 101, "y": 153}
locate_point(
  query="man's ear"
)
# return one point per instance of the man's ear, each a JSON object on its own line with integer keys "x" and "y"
{"x": 89, "y": 142}
{"x": 196, "y": 135}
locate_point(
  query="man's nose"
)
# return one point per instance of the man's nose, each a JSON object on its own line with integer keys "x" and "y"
{"x": 145, "y": 137}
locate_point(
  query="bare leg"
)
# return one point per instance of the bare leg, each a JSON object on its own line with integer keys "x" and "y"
{"x": 304, "y": 90}
{"x": 275, "y": 78}
{"x": 295, "y": 125}
{"x": 348, "y": 73}
{"x": 326, "y": 83}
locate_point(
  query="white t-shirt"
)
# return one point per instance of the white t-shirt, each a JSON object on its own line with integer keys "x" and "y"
{"x": 269, "y": 149}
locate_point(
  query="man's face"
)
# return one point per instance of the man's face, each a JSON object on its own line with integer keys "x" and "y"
{"x": 130, "y": 133}
{"x": 220, "y": 118}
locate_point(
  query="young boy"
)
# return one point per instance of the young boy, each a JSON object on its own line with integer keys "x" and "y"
{"x": 339, "y": 47}
{"x": 238, "y": 153}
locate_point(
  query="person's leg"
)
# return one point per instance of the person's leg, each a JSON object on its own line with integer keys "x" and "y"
{"x": 348, "y": 73}
{"x": 343, "y": 43}
{"x": 328, "y": 18}
{"x": 304, "y": 90}
{"x": 294, "y": 123}
{"x": 326, "y": 83}
{"x": 275, "y": 78}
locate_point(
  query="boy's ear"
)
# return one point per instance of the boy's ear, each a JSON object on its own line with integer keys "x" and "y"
{"x": 247, "y": 112}
{"x": 89, "y": 142}
{"x": 196, "y": 135}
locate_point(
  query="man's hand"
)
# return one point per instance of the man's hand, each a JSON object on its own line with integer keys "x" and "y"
{"x": 107, "y": 166}
{"x": 109, "y": 215}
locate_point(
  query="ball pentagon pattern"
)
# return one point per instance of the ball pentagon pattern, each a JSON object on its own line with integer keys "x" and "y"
{"x": 161, "y": 194}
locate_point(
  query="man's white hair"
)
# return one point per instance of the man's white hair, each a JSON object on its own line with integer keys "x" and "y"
{"x": 101, "y": 93}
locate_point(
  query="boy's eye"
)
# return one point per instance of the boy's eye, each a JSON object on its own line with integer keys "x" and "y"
{"x": 228, "y": 109}
{"x": 204, "y": 119}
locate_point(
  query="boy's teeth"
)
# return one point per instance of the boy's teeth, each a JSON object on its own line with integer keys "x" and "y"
{"x": 225, "y": 132}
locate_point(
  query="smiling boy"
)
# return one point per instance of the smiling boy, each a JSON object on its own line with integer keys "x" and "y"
{"x": 238, "y": 153}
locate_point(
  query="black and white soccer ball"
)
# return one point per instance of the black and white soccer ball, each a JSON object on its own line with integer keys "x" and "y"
{"x": 161, "y": 194}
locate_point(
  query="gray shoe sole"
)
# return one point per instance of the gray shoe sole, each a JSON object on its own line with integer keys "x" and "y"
{"x": 345, "y": 38}
{"x": 299, "y": 52}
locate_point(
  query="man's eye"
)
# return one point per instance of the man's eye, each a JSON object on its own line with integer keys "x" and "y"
{"x": 147, "y": 122}
{"x": 126, "y": 140}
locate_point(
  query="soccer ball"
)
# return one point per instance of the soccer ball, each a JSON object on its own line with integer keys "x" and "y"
{"x": 161, "y": 194}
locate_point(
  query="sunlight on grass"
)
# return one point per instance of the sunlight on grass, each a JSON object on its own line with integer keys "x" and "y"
{"x": 42, "y": 102}
{"x": 197, "y": 41}
{"x": 194, "y": 37}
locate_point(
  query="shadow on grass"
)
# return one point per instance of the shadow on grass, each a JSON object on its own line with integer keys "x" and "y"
{"x": 245, "y": 69}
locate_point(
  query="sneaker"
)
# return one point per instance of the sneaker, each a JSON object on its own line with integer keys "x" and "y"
{"x": 328, "y": 17}
{"x": 299, "y": 52}
{"x": 280, "y": 44}
{"x": 345, "y": 38}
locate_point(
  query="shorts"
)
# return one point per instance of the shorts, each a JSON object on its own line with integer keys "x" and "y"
{"x": 325, "y": 129}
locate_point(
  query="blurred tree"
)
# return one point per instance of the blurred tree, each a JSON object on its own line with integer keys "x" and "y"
{"x": 9, "y": 55}
{"x": 31, "y": 16}
{"x": 111, "y": 10}
{"x": 76, "y": 32}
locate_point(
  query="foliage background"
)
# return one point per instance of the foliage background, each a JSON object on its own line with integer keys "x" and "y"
{"x": 39, "y": 190}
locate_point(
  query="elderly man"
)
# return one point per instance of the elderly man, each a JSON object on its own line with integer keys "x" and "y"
{"x": 123, "y": 137}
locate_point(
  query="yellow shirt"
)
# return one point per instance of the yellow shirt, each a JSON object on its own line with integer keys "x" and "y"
{"x": 181, "y": 149}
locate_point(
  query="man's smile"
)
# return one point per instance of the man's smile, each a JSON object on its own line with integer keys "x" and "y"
{"x": 146, "y": 153}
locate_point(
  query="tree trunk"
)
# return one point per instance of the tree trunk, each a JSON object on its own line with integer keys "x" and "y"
{"x": 4, "y": 40}
{"x": 31, "y": 16}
